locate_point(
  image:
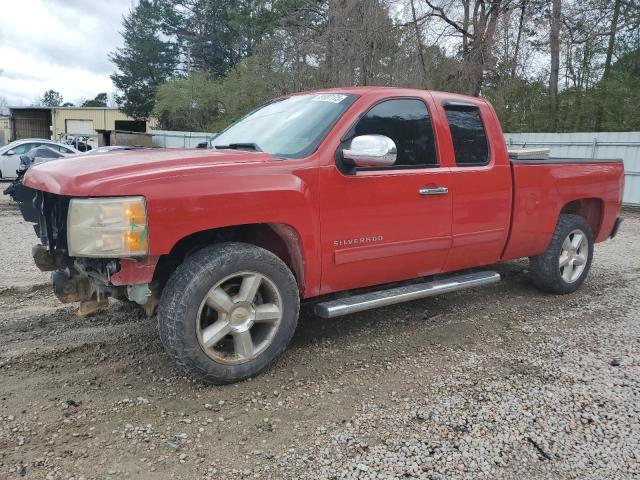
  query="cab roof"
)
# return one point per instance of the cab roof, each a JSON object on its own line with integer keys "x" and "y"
{"x": 379, "y": 90}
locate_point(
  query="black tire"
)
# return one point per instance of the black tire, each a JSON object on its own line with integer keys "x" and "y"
{"x": 179, "y": 311}
{"x": 545, "y": 268}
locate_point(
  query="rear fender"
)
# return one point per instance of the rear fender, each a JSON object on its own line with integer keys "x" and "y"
{"x": 591, "y": 209}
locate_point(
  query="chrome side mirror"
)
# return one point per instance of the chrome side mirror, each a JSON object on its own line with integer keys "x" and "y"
{"x": 371, "y": 151}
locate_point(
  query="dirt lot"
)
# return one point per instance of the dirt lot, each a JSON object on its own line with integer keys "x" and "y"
{"x": 501, "y": 382}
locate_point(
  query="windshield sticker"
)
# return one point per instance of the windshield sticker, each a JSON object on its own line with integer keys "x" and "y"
{"x": 329, "y": 97}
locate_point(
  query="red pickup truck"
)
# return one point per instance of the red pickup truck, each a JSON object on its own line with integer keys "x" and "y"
{"x": 312, "y": 194}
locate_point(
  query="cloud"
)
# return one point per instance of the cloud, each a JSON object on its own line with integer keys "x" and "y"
{"x": 59, "y": 44}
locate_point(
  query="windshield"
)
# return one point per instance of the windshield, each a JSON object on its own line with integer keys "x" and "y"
{"x": 291, "y": 127}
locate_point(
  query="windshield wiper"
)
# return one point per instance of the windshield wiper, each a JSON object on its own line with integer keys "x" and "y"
{"x": 240, "y": 146}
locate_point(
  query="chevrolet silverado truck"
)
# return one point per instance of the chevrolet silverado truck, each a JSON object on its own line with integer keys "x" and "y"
{"x": 354, "y": 197}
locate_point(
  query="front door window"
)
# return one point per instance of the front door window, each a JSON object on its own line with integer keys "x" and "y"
{"x": 406, "y": 122}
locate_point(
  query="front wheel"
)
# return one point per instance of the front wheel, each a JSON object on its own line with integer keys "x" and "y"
{"x": 564, "y": 266}
{"x": 228, "y": 312}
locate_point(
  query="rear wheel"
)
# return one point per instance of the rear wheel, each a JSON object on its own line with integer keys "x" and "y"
{"x": 564, "y": 266}
{"x": 228, "y": 312}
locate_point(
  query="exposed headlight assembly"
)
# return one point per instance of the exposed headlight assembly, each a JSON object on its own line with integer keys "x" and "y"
{"x": 107, "y": 227}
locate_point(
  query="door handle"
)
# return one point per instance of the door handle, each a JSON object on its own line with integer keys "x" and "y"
{"x": 433, "y": 191}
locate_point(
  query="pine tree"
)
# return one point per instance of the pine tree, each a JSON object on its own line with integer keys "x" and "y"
{"x": 207, "y": 37}
{"x": 144, "y": 62}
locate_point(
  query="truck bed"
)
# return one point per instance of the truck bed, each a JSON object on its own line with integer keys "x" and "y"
{"x": 545, "y": 188}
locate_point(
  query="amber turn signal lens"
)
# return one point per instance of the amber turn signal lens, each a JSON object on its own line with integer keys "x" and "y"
{"x": 137, "y": 240}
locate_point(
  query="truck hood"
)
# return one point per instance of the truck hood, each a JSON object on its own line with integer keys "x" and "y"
{"x": 106, "y": 174}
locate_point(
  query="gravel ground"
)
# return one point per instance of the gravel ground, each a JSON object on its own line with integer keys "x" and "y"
{"x": 499, "y": 382}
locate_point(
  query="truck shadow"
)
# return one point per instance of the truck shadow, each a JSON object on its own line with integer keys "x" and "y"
{"x": 406, "y": 316}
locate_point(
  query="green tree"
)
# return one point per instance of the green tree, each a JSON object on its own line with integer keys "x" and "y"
{"x": 191, "y": 103}
{"x": 51, "y": 98}
{"x": 618, "y": 95}
{"x": 144, "y": 62}
{"x": 205, "y": 32}
{"x": 229, "y": 56}
{"x": 99, "y": 101}
{"x": 253, "y": 20}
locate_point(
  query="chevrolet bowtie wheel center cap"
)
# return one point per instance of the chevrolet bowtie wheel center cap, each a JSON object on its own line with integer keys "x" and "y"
{"x": 241, "y": 317}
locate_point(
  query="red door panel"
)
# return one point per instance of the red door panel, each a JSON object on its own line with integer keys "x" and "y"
{"x": 481, "y": 194}
{"x": 377, "y": 228}
{"x": 481, "y": 215}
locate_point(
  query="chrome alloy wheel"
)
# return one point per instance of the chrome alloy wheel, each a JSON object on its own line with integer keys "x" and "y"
{"x": 573, "y": 256}
{"x": 239, "y": 318}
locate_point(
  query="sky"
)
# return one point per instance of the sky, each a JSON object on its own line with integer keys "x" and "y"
{"x": 62, "y": 45}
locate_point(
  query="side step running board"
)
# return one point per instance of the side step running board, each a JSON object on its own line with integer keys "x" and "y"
{"x": 383, "y": 298}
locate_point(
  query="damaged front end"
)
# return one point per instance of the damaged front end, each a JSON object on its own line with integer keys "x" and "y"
{"x": 89, "y": 281}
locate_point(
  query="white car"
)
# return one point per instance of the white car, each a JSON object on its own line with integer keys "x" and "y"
{"x": 10, "y": 154}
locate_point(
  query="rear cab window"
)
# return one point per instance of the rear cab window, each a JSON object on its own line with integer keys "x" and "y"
{"x": 468, "y": 135}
